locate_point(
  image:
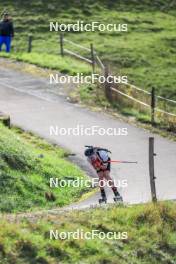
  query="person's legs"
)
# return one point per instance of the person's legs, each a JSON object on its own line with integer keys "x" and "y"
{"x": 108, "y": 178}
{"x": 101, "y": 184}
{"x": 8, "y": 43}
{"x": 1, "y": 42}
{"x": 111, "y": 182}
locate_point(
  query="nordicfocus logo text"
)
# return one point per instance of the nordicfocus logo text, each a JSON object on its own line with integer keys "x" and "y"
{"x": 81, "y": 130}
{"x": 81, "y": 26}
{"x": 88, "y": 183}
{"x": 79, "y": 78}
{"x": 89, "y": 235}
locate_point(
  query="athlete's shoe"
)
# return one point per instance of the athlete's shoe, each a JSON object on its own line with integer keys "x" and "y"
{"x": 103, "y": 198}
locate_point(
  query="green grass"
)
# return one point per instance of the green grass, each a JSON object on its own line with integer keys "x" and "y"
{"x": 145, "y": 53}
{"x": 26, "y": 165}
{"x": 151, "y": 237}
{"x": 53, "y": 62}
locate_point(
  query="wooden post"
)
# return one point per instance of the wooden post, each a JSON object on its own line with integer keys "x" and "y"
{"x": 30, "y": 43}
{"x": 151, "y": 169}
{"x": 61, "y": 44}
{"x": 92, "y": 57}
{"x": 108, "y": 92}
{"x": 153, "y": 104}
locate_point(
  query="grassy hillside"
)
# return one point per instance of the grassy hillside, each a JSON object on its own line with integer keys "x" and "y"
{"x": 151, "y": 237}
{"x": 26, "y": 165}
{"x": 146, "y": 53}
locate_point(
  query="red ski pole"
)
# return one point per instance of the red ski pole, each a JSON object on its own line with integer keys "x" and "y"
{"x": 123, "y": 161}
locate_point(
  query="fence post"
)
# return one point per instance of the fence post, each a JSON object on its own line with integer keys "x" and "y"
{"x": 153, "y": 104}
{"x": 62, "y": 44}
{"x": 30, "y": 43}
{"x": 92, "y": 57}
{"x": 152, "y": 169}
{"x": 107, "y": 84}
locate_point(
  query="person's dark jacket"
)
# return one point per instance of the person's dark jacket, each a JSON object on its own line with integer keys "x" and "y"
{"x": 6, "y": 28}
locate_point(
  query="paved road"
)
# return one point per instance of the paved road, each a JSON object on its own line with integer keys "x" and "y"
{"x": 33, "y": 105}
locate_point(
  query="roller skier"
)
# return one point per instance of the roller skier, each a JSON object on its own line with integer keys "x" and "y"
{"x": 101, "y": 162}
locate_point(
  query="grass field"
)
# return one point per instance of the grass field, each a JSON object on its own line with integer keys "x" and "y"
{"x": 151, "y": 237}
{"x": 26, "y": 165}
{"x": 146, "y": 53}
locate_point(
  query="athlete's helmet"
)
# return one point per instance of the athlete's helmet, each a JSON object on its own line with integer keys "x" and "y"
{"x": 88, "y": 152}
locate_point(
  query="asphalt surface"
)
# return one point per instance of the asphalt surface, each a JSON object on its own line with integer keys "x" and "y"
{"x": 35, "y": 105}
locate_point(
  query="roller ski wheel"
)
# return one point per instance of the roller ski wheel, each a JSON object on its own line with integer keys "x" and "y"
{"x": 102, "y": 200}
{"x": 118, "y": 199}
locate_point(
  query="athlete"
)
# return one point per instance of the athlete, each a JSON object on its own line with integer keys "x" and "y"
{"x": 6, "y": 32}
{"x": 101, "y": 162}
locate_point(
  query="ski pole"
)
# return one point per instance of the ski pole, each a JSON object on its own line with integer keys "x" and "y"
{"x": 122, "y": 161}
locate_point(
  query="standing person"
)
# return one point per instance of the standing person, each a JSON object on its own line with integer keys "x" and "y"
{"x": 101, "y": 162}
{"x": 6, "y": 32}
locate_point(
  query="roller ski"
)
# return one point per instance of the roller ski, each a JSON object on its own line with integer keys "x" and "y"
{"x": 103, "y": 198}
{"x": 117, "y": 198}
